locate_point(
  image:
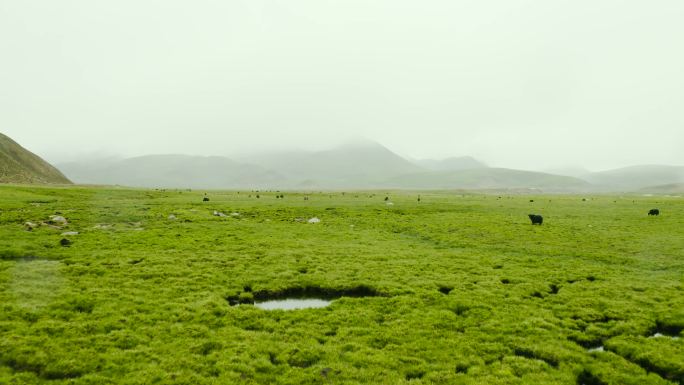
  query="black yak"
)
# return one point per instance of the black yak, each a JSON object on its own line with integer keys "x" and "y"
{"x": 536, "y": 219}
{"x": 653, "y": 212}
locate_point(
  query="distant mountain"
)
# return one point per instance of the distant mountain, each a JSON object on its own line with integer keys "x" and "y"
{"x": 364, "y": 165}
{"x": 18, "y": 165}
{"x": 182, "y": 171}
{"x": 636, "y": 177}
{"x": 574, "y": 171}
{"x": 451, "y": 164}
{"x": 489, "y": 178}
{"x": 355, "y": 165}
{"x": 673, "y": 188}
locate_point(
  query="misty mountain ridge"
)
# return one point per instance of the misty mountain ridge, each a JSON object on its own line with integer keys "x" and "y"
{"x": 451, "y": 164}
{"x": 171, "y": 170}
{"x": 357, "y": 165}
{"x": 637, "y": 177}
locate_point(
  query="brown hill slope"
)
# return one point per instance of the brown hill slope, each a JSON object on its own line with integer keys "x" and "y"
{"x": 18, "y": 165}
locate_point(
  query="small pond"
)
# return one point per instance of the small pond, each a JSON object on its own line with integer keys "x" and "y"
{"x": 659, "y": 335}
{"x": 292, "y": 304}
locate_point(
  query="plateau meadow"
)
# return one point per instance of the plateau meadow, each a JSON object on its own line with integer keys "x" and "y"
{"x": 106, "y": 285}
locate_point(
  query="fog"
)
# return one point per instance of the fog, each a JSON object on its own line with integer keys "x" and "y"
{"x": 521, "y": 84}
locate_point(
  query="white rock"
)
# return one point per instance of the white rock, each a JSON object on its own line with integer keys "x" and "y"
{"x": 30, "y": 225}
{"x": 70, "y": 233}
{"x": 172, "y": 217}
{"x": 235, "y": 214}
{"x": 390, "y": 204}
{"x": 314, "y": 220}
{"x": 219, "y": 214}
{"x": 58, "y": 219}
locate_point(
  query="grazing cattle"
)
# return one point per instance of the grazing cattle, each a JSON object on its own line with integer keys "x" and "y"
{"x": 653, "y": 212}
{"x": 205, "y": 199}
{"x": 536, "y": 219}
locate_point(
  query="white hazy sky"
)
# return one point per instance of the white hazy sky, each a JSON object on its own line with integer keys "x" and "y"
{"x": 516, "y": 83}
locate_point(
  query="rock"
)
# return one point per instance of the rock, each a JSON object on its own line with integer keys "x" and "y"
{"x": 390, "y": 204}
{"x": 172, "y": 217}
{"x": 102, "y": 226}
{"x": 234, "y": 214}
{"x": 314, "y": 220}
{"x": 30, "y": 226}
{"x": 58, "y": 219}
{"x": 219, "y": 214}
{"x": 70, "y": 233}
{"x": 65, "y": 242}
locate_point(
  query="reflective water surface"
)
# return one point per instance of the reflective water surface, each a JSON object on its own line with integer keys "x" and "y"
{"x": 292, "y": 304}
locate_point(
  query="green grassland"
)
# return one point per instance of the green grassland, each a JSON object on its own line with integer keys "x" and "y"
{"x": 452, "y": 289}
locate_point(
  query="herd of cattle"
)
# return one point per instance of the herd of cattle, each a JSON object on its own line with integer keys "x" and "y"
{"x": 535, "y": 218}
{"x": 538, "y": 219}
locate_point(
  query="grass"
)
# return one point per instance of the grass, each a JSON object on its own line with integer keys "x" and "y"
{"x": 454, "y": 289}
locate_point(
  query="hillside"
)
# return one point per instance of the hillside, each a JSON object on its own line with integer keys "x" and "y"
{"x": 19, "y": 165}
{"x": 451, "y": 164}
{"x": 636, "y": 177}
{"x": 488, "y": 178}
{"x": 672, "y": 188}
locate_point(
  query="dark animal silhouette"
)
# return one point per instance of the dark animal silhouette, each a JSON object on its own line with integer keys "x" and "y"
{"x": 653, "y": 212}
{"x": 205, "y": 199}
{"x": 536, "y": 219}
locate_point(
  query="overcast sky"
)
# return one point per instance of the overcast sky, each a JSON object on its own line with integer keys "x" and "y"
{"x": 516, "y": 83}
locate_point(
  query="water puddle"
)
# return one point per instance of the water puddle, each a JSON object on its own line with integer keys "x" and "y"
{"x": 661, "y": 335}
{"x": 298, "y": 297}
{"x": 293, "y": 304}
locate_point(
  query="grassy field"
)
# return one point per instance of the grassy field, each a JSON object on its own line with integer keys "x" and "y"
{"x": 452, "y": 289}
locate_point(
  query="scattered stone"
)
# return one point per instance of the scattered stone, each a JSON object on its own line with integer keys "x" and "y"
{"x": 102, "y": 226}
{"x": 65, "y": 242}
{"x": 234, "y": 214}
{"x": 70, "y": 233}
{"x": 596, "y": 349}
{"x": 58, "y": 219}
{"x": 172, "y": 217}
{"x": 314, "y": 220}
{"x": 30, "y": 226}
{"x": 219, "y": 214}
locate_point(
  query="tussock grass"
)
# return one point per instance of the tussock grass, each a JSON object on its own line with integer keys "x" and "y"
{"x": 452, "y": 289}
